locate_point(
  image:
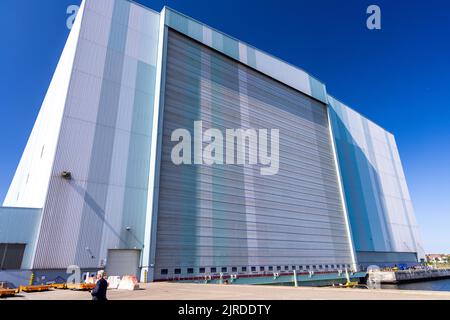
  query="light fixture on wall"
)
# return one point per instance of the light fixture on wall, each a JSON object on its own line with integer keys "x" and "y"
{"x": 66, "y": 175}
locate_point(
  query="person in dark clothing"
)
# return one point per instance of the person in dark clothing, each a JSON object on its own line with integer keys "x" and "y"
{"x": 99, "y": 292}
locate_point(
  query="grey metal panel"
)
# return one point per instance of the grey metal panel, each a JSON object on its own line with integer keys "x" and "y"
{"x": 380, "y": 208}
{"x": 123, "y": 263}
{"x": 104, "y": 140}
{"x": 382, "y": 259}
{"x": 20, "y": 226}
{"x": 11, "y": 255}
{"x": 228, "y": 216}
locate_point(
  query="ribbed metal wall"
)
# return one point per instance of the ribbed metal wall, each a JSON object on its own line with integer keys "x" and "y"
{"x": 371, "y": 258}
{"x": 104, "y": 140}
{"x": 381, "y": 213}
{"x": 29, "y": 186}
{"x": 231, "y": 216}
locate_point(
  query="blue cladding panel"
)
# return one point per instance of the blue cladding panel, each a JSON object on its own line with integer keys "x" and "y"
{"x": 20, "y": 226}
{"x": 121, "y": 12}
{"x": 217, "y": 40}
{"x": 178, "y": 22}
{"x": 318, "y": 90}
{"x": 196, "y": 30}
{"x": 380, "y": 212}
{"x": 135, "y": 200}
{"x": 265, "y": 63}
{"x": 231, "y": 47}
{"x": 119, "y": 24}
{"x": 251, "y": 57}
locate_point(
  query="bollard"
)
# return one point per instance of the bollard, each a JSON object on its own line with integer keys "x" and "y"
{"x": 31, "y": 279}
{"x": 295, "y": 278}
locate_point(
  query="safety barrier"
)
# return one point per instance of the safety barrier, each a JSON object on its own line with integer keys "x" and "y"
{"x": 128, "y": 283}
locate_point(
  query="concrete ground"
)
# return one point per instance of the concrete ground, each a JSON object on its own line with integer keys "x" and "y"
{"x": 178, "y": 291}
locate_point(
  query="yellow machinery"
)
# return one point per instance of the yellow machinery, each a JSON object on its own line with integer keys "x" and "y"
{"x": 351, "y": 284}
{"x": 7, "y": 293}
{"x": 41, "y": 288}
{"x": 80, "y": 286}
{"x": 61, "y": 286}
{"x": 29, "y": 289}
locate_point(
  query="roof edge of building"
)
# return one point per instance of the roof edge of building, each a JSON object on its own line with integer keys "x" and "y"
{"x": 318, "y": 89}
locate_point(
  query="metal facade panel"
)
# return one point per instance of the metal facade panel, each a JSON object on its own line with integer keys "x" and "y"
{"x": 11, "y": 256}
{"x": 380, "y": 209}
{"x": 20, "y": 226}
{"x": 104, "y": 141}
{"x": 123, "y": 263}
{"x": 231, "y": 216}
{"x": 29, "y": 186}
{"x": 248, "y": 55}
{"x": 371, "y": 258}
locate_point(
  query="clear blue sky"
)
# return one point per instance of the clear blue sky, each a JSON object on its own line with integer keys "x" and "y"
{"x": 399, "y": 77}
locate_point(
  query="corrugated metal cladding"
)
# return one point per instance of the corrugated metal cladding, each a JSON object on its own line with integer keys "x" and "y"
{"x": 379, "y": 206}
{"x": 370, "y": 258}
{"x": 231, "y": 216}
{"x": 104, "y": 140}
{"x": 29, "y": 186}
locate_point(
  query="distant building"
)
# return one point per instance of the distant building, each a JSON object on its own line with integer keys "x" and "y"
{"x": 438, "y": 258}
{"x": 96, "y": 186}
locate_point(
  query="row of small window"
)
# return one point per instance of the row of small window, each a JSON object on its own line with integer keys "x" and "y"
{"x": 259, "y": 269}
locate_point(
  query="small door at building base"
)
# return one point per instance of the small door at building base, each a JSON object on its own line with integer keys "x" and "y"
{"x": 123, "y": 263}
